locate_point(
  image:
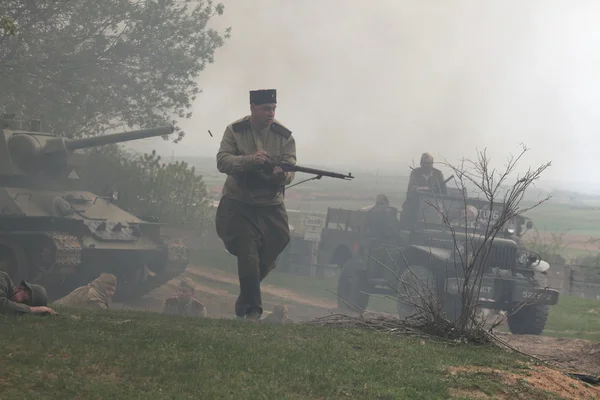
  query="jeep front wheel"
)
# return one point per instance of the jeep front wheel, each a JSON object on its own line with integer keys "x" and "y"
{"x": 529, "y": 320}
{"x": 350, "y": 287}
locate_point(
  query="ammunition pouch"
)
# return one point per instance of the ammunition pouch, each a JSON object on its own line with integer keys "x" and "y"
{"x": 258, "y": 183}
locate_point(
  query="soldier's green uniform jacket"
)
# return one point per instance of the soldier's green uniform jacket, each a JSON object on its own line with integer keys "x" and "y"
{"x": 93, "y": 295}
{"x": 234, "y": 158}
{"x": 419, "y": 178}
{"x": 251, "y": 218}
{"x": 7, "y": 306}
{"x": 191, "y": 308}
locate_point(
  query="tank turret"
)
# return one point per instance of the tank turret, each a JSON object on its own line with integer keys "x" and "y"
{"x": 31, "y": 151}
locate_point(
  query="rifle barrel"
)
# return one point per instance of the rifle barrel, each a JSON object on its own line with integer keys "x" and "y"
{"x": 298, "y": 168}
{"x": 269, "y": 166}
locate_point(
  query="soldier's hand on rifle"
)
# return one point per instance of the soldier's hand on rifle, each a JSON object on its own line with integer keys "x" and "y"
{"x": 278, "y": 175}
{"x": 422, "y": 188}
{"x": 259, "y": 157}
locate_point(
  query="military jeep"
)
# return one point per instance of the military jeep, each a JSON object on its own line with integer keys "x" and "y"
{"x": 429, "y": 242}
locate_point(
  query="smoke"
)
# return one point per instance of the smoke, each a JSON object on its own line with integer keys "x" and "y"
{"x": 379, "y": 83}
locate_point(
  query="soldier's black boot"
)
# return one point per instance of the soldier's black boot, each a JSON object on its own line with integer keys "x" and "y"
{"x": 249, "y": 303}
{"x": 240, "y": 310}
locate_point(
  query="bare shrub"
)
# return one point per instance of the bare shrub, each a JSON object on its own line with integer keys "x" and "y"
{"x": 472, "y": 241}
{"x": 456, "y": 253}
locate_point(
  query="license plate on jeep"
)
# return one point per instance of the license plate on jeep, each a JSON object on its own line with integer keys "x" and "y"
{"x": 539, "y": 296}
{"x": 453, "y": 284}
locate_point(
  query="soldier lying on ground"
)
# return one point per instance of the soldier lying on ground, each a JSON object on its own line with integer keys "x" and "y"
{"x": 184, "y": 303}
{"x": 27, "y": 298}
{"x": 278, "y": 316}
{"x": 97, "y": 294}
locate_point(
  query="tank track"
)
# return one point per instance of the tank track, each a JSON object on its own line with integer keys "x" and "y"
{"x": 177, "y": 260}
{"x": 177, "y": 251}
{"x": 67, "y": 249}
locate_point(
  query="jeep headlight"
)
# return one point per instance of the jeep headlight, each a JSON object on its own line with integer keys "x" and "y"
{"x": 511, "y": 228}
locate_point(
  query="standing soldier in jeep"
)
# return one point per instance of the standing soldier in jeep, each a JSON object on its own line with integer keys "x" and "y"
{"x": 251, "y": 217}
{"x": 426, "y": 177}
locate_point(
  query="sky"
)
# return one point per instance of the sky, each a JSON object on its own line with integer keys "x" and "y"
{"x": 378, "y": 83}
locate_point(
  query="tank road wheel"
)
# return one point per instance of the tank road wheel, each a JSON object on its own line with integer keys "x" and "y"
{"x": 351, "y": 284}
{"x": 412, "y": 288}
{"x": 529, "y": 320}
{"x": 129, "y": 283}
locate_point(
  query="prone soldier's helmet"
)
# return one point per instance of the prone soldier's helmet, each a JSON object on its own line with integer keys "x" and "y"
{"x": 39, "y": 296}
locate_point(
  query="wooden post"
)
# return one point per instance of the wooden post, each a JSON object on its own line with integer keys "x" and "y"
{"x": 567, "y": 278}
{"x": 312, "y": 233}
{"x": 313, "y": 258}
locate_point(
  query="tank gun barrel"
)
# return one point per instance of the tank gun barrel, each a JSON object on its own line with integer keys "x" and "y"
{"x": 31, "y": 152}
{"x": 75, "y": 144}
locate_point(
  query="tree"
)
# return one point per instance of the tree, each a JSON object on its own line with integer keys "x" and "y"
{"x": 171, "y": 192}
{"x": 7, "y": 25}
{"x": 85, "y": 67}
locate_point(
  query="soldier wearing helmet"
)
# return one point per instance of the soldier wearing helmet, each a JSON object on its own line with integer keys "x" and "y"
{"x": 23, "y": 299}
{"x": 422, "y": 179}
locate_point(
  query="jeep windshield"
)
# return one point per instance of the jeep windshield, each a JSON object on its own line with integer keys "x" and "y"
{"x": 459, "y": 212}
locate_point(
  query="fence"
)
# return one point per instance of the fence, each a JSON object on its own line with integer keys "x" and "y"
{"x": 581, "y": 281}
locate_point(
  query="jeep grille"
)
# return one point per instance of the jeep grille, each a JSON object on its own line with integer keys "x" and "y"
{"x": 502, "y": 255}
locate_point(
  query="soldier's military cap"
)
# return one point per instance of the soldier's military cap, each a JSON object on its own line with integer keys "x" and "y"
{"x": 263, "y": 96}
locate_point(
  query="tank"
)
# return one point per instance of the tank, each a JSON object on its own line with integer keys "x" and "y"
{"x": 60, "y": 237}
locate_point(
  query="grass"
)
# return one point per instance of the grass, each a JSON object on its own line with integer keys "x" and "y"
{"x": 573, "y": 317}
{"x": 562, "y": 218}
{"x": 86, "y": 354}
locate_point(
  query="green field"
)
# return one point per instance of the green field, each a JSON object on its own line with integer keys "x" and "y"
{"x": 556, "y": 215}
{"x": 552, "y": 217}
{"x": 141, "y": 355}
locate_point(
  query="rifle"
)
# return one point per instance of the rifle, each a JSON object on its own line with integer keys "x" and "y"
{"x": 448, "y": 180}
{"x": 443, "y": 183}
{"x": 264, "y": 171}
{"x": 268, "y": 168}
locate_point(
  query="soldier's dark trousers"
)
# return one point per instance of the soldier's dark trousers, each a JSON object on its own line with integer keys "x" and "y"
{"x": 256, "y": 235}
